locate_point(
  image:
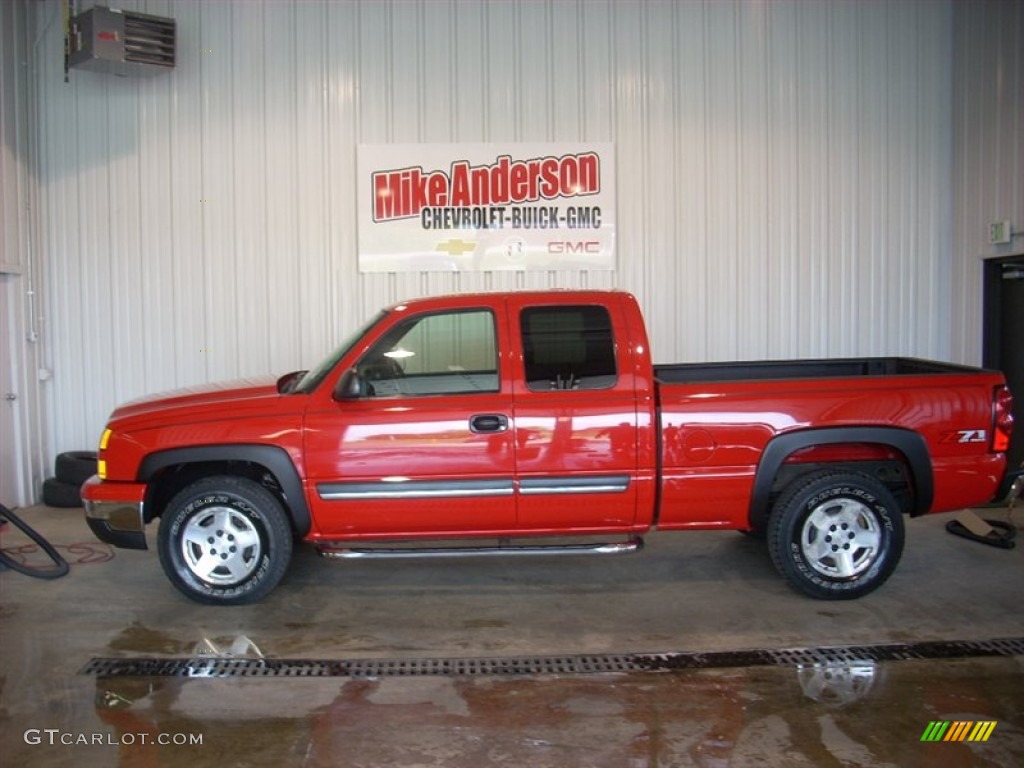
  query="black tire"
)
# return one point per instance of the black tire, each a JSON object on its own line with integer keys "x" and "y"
{"x": 225, "y": 541}
{"x": 836, "y": 535}
{"x": 75, "y": 467}
{"x": 62, "y": 495}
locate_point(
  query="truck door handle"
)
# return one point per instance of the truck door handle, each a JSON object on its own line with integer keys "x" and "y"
{"x": 488, "y": 422}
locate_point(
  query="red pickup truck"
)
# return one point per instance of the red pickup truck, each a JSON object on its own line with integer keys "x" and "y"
{"x": 509, "y": 423}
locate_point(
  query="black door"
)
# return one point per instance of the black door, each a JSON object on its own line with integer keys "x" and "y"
{"x": 1004, "y": 337}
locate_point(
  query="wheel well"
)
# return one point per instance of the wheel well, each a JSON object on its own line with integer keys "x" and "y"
{"x": 894, "y": 474}
{"x": 167, "y": 482}
{"x": 270, "y": 465}
{"x": 881, "y": 460}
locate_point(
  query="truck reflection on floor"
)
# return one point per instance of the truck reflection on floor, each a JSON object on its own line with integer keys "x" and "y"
{"x": 850, "y": 713}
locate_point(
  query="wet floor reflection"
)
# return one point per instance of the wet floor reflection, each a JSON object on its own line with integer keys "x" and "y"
{"x": 845, "y": 715}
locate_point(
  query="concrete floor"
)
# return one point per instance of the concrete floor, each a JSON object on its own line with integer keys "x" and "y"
{"x": 685, "y": 592}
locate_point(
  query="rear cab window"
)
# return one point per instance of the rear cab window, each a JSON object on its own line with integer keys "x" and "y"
{"x": 568, "y": 348}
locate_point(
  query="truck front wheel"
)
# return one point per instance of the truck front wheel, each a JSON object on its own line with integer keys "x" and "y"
{"x": 224, "y": 541}
{"x": 836, "y": 535}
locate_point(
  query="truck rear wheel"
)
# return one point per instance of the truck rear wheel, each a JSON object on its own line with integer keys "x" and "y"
{"x": 836, "y": 535}
{"x": 224, "y": 541}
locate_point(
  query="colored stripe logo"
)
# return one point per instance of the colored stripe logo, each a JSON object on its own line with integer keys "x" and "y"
{"x": 958, "y": 730}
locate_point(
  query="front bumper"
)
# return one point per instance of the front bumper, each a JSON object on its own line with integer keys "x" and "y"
{"x": 114, "y": 512}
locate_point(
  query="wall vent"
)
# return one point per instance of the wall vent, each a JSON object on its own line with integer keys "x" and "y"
{"x": 123, "y": 43}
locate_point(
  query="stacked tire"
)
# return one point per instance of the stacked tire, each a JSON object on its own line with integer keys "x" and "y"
{"x": 71, "y": 469}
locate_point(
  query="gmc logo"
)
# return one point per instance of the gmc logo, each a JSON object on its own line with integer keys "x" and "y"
{"x": 577, "y": 246}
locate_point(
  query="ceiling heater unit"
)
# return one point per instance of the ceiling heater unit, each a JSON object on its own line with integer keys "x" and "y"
{"x": 123, "y": 43}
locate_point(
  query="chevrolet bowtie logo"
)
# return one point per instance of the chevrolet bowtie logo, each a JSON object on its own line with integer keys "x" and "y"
{"x": 456, "y": 247}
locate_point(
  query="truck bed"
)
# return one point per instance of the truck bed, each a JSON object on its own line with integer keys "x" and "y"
{"x": 767, "y": 370}
{"x": 718, "y": 419}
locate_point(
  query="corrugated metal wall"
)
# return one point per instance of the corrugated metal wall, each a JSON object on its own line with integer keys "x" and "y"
{"x": 988, "y": 166}
{"x": 22, "y": 451}
{"x": 783, "y": 176}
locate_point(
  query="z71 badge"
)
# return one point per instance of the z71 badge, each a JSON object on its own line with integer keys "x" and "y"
{"x": 966, "y": 436}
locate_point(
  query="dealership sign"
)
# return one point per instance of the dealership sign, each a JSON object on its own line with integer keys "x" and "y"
{"x": 466, "y": 207}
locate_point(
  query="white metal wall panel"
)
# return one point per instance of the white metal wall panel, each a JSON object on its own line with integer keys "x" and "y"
{"x": 14, "y": 149}
{"x": 22, "y": 443}
{"x": 782, "y": 176}
{"x": 988, "y": 120}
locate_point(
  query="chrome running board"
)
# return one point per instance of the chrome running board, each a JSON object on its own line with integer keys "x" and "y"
{"x": 629, "y": 546}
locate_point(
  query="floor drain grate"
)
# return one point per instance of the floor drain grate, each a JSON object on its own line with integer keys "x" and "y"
{"x": 547, "y": 665}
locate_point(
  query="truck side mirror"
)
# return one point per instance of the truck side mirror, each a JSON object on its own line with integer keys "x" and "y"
{"x": 351, "y": 386}
{"x": 287, "y": 383}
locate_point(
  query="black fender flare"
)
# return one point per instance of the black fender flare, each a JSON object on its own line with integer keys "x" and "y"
{"x": 911, "y": 444}
{"x": 275, "y": 459}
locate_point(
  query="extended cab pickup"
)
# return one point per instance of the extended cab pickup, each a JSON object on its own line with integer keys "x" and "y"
{"x": 539, "y": 416}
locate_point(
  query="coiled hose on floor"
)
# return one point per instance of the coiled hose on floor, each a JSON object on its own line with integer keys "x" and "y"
{"x": 61, "y": 564}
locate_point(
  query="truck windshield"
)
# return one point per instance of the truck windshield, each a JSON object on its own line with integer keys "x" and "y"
{"x": 313, "y": 378}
